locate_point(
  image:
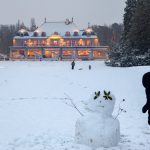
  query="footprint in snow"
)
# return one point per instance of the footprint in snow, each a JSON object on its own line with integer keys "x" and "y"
{"x": 146, "y": 132}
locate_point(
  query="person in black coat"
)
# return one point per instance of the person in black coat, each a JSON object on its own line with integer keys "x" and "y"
{"x": 72, "y": 65}
{"x": 146, "y": 84}
{"x": 90, "y": 67}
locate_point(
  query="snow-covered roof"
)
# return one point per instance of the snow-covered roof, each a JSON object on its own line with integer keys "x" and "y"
{"x": 22, "y": 31}
{"x": 60, "y": 27}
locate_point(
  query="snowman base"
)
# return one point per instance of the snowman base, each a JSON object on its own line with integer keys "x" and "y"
{"x": 97, "y": 131}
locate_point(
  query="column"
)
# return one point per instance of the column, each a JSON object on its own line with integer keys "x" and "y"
{"x": 76, "y": 56}
{"x": 26, "y": 53}
{"x": 10, "y": 54}
{"x": 91, "y": 54}
{"x": 43, "y": 53}
{"x": 60, "y": 53}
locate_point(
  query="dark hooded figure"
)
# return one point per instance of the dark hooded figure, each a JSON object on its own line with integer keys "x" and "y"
{"x": 73, "y": 64}
{"x": 146, "y": 84}
{"x": 90, "y": 67}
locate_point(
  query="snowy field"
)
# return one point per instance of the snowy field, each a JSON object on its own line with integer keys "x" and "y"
{"x": 35, "y": 113}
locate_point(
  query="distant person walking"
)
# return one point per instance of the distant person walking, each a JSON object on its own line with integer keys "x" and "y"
{"x": 72, "y": 65}
{"x": 146, "y": 84}
{"x": 90, "y": 67}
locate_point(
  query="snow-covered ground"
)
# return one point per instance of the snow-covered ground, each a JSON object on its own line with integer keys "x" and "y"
{"x": 35, "y": 112}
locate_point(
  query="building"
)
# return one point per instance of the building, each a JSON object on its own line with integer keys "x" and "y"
{"x": 57, "y": 41}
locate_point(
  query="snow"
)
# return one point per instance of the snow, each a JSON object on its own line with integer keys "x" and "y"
{"x": 97, "y": 128}
{"x": 36, "y": 114}
{"x": 60, "y": 27}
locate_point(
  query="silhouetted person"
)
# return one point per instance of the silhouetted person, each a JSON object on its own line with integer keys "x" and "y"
{"x": 90, "y": 67}
{"x": 146, "y": 84}
{"x": 72, "y": 65}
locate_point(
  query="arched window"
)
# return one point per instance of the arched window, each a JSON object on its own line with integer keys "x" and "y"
{"x": 67, "y": 33}
{"x": 84, "y": 33}
{"x": 35, "y": 34}
{"x": 56, "y": 33}
{"x": 80, "y": 42}
{"x": 75, "y": 33}
{"x": 93, "y": 33}
{"x": 43, "y": 34}
{"x": 26, "y": 34}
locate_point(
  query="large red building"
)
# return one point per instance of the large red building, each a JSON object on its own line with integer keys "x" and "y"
{"x": 57, "y": 41}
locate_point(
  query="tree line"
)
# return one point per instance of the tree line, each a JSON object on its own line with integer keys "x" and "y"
{"x": 109, "y": 35}
{"x": 7, "y": 32}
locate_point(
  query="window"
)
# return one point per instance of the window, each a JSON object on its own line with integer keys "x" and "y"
{"x": 75, "y": 33}
{"x": 35, "y": 34}
{"x": 67, "y": 33}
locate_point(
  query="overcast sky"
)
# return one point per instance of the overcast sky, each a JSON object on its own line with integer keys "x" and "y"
{"x": 94, "y": 11}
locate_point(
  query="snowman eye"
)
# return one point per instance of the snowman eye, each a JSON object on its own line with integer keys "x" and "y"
{"x": 100, "y": 101}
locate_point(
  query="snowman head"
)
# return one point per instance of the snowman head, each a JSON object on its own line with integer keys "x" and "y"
{"x": 101, "y": 102}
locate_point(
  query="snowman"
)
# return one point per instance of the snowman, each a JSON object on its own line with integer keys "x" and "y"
{"x": 98, "y": 128}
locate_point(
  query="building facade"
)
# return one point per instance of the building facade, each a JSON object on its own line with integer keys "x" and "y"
{"x": 57, "y": 41}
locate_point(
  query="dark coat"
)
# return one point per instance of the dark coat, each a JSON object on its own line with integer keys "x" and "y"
{"x": 146, "y": 80}
{"x": 73, "y": 63}
{"x": 146, "y": 84}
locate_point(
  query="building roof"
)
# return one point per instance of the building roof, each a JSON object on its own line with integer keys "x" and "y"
{"x": 60, "y": 27}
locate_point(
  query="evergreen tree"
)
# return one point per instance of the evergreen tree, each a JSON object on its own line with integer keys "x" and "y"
{"x": 121, "y": 53}
{"x": 134, "y": 47}
{"x": 129, "y": 13}
{"x": 140, "y": 30}
{"x": 32, "y": 25}
{"x": 126, "y": 43}
{"x": 18, "y": 25}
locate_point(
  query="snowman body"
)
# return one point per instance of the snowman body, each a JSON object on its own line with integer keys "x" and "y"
{"x": 97, "y": 128}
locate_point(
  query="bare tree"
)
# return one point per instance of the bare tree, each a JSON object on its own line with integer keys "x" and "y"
{"x": 32, "y": 24}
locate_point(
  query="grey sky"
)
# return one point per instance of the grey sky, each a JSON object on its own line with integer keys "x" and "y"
{"x": 94, "y": 11}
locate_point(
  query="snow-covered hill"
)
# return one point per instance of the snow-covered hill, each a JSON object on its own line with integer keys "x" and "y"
{"x": 35, "y": 112}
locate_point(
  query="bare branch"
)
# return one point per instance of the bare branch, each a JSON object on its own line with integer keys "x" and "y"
{"x": 120, "y": 110}
{"x": 73, "y": 104}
